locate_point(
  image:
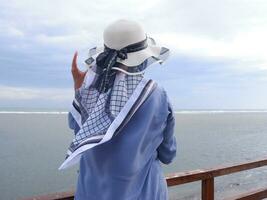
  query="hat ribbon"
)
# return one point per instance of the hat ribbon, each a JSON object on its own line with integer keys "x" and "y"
{"x": 107, "y": 59}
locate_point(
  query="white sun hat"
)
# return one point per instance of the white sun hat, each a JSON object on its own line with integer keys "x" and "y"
{"x": 129, "y": 38}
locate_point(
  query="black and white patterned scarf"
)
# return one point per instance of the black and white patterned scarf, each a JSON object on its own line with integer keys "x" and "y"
{"x": 107, "y": 100}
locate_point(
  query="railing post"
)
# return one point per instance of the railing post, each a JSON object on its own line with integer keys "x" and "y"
{"x": 208, "y": 189}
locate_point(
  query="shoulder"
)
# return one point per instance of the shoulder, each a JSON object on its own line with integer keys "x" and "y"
{"x": 160, "y": 96}
{"x": 164, "y": 98}
{"x": 160, "y": 90}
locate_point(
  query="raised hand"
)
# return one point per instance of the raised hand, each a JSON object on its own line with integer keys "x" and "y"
{"x": 78, "y": 76}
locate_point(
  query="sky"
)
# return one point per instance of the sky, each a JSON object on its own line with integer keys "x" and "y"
{"x": 218, "y": 49}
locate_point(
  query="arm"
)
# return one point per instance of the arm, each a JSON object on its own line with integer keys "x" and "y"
{"x": 167, "y": 149}
{"x": 74, "y": 115}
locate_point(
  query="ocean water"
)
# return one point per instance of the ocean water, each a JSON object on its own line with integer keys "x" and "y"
{"x": 33, "y": 146}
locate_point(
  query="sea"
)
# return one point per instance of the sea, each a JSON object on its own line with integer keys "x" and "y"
{"x": 33, "y": 145}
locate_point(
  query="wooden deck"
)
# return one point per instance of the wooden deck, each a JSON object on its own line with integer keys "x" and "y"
{"x": 206, "y": 176}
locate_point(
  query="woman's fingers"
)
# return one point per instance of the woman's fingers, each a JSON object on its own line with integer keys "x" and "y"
{"x": 84, "y": 73}
{"x": 74, "y": 67}
{"x": 78, "y": 76}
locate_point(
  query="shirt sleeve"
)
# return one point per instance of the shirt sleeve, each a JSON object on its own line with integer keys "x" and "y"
{"x": 74, "y": 115}
{"x": 167, "y": 149}
{"x": 72, "y": 123}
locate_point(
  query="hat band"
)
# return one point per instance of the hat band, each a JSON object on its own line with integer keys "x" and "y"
{"x": 107, "y": 59}
{"x": 132, "y": 47}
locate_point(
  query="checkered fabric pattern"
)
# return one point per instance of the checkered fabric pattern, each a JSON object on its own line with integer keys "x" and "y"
{"x": 98, "y": 110}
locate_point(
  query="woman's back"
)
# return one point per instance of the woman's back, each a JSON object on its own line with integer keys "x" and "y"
{"x": 127, "y": 167}
{"x": 123, "y": 122}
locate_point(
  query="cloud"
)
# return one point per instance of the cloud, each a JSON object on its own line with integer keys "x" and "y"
{"x": 43, "y": 94}
{"x": 11, "y": 31}
{"x": 245, "y": 47}
{"x": 214, "y": 44}
{"x": 216, "y": 30}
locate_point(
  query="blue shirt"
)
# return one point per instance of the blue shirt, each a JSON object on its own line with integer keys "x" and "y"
{"x": 128, "y": 166}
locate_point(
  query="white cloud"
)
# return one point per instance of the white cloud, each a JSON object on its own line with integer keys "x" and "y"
{"x": 42, "y": 94}
{"x": 11, "y": 31}
{"x": 212, "y": 29}
{"x": 246, "y": 47}
{"x": 45, "y": 34}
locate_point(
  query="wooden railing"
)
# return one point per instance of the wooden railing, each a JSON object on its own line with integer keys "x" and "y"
{"x": 206, "y": 176}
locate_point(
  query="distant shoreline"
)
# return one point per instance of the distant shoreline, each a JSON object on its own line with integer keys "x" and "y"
{"x": 176, "y": 112}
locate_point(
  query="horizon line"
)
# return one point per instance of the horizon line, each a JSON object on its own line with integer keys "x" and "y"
{"x": 191, "y": 111}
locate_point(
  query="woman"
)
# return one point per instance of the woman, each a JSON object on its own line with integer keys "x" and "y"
{"x": 123, "y": 122}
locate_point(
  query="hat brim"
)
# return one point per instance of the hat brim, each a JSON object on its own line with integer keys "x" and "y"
{"x": 150, "y": 55}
